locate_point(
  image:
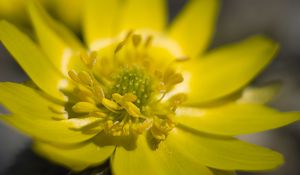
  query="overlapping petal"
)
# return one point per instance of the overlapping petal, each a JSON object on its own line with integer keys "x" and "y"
{"x": 235, "y": 119}
{"x": 227, "y": 69}
{"x": 194, "y": 27}
{"x": 146, "y": 14}
{"x": 146, "y": 159}
{"x": 48, "y": 131}
{"x": 261, "y": 94}
{"x": 76, "y": 157}
{"x": 72, "y": 16}
{"x": 100, "y": 21}
{"x": 60, "y": 45}
{"x": 221, "y": 152}
{"x": 22, "y": 100}
{"x": 14, "y": 11}
{"x": 32, "y": 114}
{"x": 32, "y": 60}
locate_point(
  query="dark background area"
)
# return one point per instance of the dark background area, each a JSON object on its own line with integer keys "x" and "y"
{"x": 279, "y": 19}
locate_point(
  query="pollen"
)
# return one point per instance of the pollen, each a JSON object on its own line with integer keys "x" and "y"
{"x": 124, "y": 92}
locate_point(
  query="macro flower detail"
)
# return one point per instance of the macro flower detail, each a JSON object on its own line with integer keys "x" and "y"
{"x": 143, "y": 94}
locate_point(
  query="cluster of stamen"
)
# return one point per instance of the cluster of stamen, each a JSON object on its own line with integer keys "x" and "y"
{"x": 126, "y": 95}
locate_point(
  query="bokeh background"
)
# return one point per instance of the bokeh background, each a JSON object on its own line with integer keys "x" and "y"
{"x": 279, "y": 19}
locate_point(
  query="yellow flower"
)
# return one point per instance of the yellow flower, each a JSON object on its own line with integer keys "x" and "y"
{"x": 142, "y": 94}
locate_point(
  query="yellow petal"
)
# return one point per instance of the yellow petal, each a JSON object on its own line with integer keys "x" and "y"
{"x": 72, "y": 16}
{"x": 57, "y": 41}
{"x": 32, "y": 114}
{"x": 76, "y": 158}
{"x": 195, "y": 25}
{"x": 260, "y": 95}
{"x": 221, "y": 152}
{"x": 146, "y": 14}
{"x": 235, "y": 119}
{"x": 161, "y": 161}
{"x": 32, "y": 60}
{"x": 100, "y": 21}
{"x": 227, "y": 69}
{"x": 44, "y": 130}
{"x": 14, "y": 11}
{"x": 22, "y": 100}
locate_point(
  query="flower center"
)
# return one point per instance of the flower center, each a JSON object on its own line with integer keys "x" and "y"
{"x": 135, "y": 81}
{"x": 123, "y": 91}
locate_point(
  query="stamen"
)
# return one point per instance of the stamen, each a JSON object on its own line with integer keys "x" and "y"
{"x": 132, "y": 109}
{"x": 84, "y": 107}
{"x": 121, "y": 44}
{"x": 139, "y": 128}
{"x": 136, "y": 39}
{"x": 73, "y": 75}
{"x": 98, "y": 114}
{"x": 119, "y": 47}
{"x": 89, "y": 60}
{"x": 99, "y": 93}
{"x": 182, "y": 59}
{"x": 148, "y": 42}
{"x": 111, "y": 105}
{"x": 85, "y": 78}
{"x": 177, "y": 100}
{"x": 171, "y": 78}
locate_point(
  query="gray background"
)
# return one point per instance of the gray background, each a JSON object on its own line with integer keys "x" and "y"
{"x": 279, "y": 19}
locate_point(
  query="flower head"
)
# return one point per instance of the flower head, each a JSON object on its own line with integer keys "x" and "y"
{"x": 144, "y": 94}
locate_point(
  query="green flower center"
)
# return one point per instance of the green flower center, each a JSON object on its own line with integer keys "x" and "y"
{"x": 123, "y": 92}
{"x": 135, "y": 81}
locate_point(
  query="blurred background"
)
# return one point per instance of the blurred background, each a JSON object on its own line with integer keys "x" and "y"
{"x": 279, "y": 19}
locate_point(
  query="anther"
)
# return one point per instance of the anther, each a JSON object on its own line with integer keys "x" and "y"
{"x": 177, "y": 100}
{"x": 136, "y": 40}
{"x": 175, "y": 79}
{"x": 111, "y": 105}
{"x": 99, "y": 93}
{"x": 98, "y": 114}
{"x": 84, "y": 107}
{"x": 119, "y": 47}
{"x": 130, "y": 97}
{"x": 182, "y": 59}
{"x": 148, "y": 41}
{"x": 73, "y": 75}
{"x": 89, "y": 60}
{"x": 85, "y": 78}
{"x": 132, "y": 109}
{"x": 122, "y": 44}
{"x": 157, "y": 133}
{"x": 126, "y": 102}
{"x": 83, "y": 90}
